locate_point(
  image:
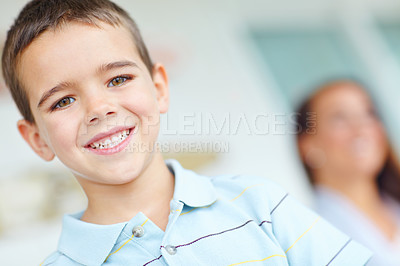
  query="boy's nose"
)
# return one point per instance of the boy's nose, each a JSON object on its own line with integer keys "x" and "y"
{"x": 99, "y": 109}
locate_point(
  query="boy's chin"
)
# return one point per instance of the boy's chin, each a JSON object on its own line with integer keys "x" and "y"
{"x": 109, "y": 177}
{"x": 107, "y": 180}
{"x": 120, "y": 172}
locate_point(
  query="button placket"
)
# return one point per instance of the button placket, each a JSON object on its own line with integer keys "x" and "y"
{"x": 167, "y": 249}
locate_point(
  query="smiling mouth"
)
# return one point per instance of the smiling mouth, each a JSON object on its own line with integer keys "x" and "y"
{"x": 111, "y": 141}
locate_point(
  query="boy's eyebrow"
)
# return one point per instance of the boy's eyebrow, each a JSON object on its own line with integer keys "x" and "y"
{"x": 102, "y": 68}
{"x": 118, "y": 64}
{"x": 52, "y": 91}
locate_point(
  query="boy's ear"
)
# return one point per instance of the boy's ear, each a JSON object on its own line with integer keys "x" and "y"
{"x": 160, "y": 80}
{"x": 30, "y": 133}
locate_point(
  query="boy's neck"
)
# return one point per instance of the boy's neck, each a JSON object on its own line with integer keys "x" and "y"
{"x": 150, "y": 193}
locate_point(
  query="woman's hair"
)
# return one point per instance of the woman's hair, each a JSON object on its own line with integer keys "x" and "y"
{"x": 388, "y": 179}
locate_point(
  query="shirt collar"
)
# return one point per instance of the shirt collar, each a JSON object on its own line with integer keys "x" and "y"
{"x": 90, "y": 244}
{"x": 190, "y": 188}
{"x": 86, "y": 243}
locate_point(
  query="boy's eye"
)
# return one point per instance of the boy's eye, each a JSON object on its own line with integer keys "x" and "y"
{"x": 118, "y": 81}
{"x": 64, "y": 102}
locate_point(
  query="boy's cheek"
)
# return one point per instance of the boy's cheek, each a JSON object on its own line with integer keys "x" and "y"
{"x": 140, "y": 105}
{"x": 61, "y": 135}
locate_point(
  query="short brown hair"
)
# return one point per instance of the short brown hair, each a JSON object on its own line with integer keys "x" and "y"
{"x": 40, "y": 15}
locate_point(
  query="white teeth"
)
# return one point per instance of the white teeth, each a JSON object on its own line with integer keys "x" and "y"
{"x": 111, "y": 141}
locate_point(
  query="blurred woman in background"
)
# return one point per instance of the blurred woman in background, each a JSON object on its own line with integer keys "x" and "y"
{"x": 352, "y": 167}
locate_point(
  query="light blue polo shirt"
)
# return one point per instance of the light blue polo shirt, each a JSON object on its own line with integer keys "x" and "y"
{"x": 226, "y": 220}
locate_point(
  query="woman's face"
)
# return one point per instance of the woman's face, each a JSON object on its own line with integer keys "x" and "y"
{"x": 350, "y": 138}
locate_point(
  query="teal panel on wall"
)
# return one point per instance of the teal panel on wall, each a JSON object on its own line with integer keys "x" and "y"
{"x": 299, "y": 60}
{"x": 390, "y": 32}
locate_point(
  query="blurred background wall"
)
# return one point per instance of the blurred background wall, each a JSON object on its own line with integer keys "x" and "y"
{"x": 237, "y": 69}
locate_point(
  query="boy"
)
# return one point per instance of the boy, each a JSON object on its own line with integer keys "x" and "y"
{"x": 81, "y": 76}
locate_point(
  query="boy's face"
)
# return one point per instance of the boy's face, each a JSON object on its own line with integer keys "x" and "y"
{"x": 95, "y": 104}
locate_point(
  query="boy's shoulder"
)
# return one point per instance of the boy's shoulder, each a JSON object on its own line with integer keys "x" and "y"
{"x": 234, "y": 182}
{"x": 238, "y": 191}
{"x": 257, "y": 188}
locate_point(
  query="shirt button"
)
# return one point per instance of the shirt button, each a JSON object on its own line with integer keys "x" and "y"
{"x": 170, "y": 249}
{"x": 138, "y": 231}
